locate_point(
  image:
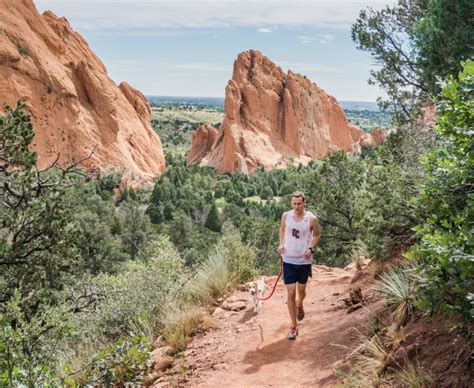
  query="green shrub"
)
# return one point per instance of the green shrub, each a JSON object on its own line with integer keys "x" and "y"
{"x": 446, "y": 249}
{"x": 123, "y": 362}
{"x": 145, "y": 288}
{"x": 28, "y": 347}
{"x": 135, "y": 300}
{"x": 334, "y": 189}
{"x": 240, "y": 258}
{"x": 23, "y": 51}
{"x": 109, "y": 182}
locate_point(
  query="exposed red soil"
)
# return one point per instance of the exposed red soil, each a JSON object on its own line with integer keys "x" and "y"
{"x": 251, "y": 349}
{"x": 438, "y": 349}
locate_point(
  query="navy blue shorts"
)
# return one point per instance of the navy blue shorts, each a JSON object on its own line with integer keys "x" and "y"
{"x": 294, "y": 273}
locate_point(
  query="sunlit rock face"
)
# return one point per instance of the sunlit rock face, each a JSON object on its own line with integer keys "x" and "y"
{"x": 273, "y": 119}
{"x": 74, "y": 104}
{"x": 203, "y": 139}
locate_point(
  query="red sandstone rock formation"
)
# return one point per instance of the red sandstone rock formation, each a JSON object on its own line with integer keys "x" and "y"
{"x": 273, "y": 119}
{"x": 203, "y": 139}
{"x": 74, "y": 104}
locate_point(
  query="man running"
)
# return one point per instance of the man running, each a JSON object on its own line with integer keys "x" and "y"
{"x": 299, "y": 235}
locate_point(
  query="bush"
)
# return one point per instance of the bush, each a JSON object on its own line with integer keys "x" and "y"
{"x": 28, "y": 346}
{"x": 133, "y": 301}
{"x": 230, "y": 263}
{"x": 132, "y": 307}
{"x": 213, "y": 279}
{"x": 399, "y": 288}
{"x": 240, "y": 258}
{"x": 109, "y": 182}
{"x": 334, "y": 189}
{"x": 123, "y": 362}
{"x": 446, "y": 249}
{"x": 387, "y": 208}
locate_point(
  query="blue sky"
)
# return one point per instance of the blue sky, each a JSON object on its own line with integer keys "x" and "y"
{"x": 187, "y": 47}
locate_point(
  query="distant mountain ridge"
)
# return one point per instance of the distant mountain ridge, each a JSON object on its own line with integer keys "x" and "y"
{"x": 219, "y": 101}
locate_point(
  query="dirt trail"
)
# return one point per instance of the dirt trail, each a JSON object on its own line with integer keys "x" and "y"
{"x": 250, "y": 349}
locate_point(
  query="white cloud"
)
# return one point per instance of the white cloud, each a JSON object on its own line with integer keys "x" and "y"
{"x": 265, "y": 30}
{"x": 326, "y": 37}
{"x": 321, "y": 38}
{"x": 131, "y": 14}
{"x": 306, "y": 39}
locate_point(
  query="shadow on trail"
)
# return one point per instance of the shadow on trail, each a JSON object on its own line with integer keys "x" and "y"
{"x": 274, "y": 352}
{"x": 316, "y": 347}
{"x": 249, "y": 314}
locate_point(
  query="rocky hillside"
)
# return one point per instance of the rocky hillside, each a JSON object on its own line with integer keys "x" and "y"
{"x": 273, "y": 119}
{"x": 75, "y": 106}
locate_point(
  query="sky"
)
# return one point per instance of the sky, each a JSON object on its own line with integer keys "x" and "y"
{"x": 188, "y": 47}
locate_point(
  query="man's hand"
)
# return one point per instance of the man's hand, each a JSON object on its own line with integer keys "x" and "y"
{"x": 307, "y": 254}
{"x": 281, "y": 249}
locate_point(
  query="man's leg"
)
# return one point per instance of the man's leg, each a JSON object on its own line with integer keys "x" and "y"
{"x": 301, "y": 293}
{"x": 303, "y": 275}
{"x": 291, "y": 290}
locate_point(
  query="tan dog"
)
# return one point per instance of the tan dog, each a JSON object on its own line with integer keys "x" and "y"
{"x": 256, "y": 291}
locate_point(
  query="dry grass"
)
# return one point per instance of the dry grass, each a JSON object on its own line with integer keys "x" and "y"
{"x": 369, "y": 361}
{"x": 372, "y": 358}
{"x": 353, "y": 379}
{"x": 415, "y": 377}
{"x": 180, "y": 325}
{"x": 372, "y": 324}
{"x": 395, "y": 336}
{"x": 212, "y": 279}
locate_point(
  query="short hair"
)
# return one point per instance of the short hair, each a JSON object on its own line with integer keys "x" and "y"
{"x": 298, "y": 194}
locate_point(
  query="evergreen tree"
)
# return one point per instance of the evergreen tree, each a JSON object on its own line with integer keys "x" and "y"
{"x": 415, "y": 43}
{"x": 212, "y": 222}
{"x": 334, "y": 190}
{"x": 444, "y": 38}
{"x": 38, "y": 239}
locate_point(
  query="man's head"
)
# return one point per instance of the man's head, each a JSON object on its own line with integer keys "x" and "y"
{"x": 298, "y": 202}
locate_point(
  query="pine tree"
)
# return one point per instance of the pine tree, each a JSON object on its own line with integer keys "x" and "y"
{"x": 213, "y": 223}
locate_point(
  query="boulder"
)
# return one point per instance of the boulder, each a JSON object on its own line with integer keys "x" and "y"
{"x": 233, "y": 306}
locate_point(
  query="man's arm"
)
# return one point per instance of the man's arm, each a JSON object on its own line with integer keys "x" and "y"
{"x": 314, "y": 227}
{"x": 282, "y": 234}
{"x": 315, "y": 231}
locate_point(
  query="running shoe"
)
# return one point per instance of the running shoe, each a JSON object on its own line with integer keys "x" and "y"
{"x": 292, "y": 333}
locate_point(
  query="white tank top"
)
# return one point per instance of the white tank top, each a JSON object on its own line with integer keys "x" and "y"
{"x": 298, "y": 238}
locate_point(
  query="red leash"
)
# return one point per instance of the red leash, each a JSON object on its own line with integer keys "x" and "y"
{"x": 278, "y": 278}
